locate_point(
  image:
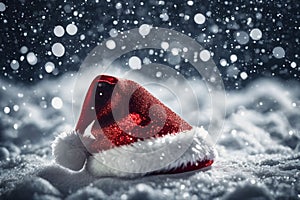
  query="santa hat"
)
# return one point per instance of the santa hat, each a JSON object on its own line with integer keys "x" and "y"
{"x": 123, "y": 130}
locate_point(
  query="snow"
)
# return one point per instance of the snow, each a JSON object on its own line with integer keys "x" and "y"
{"x": 199, "y": 18}
{"x": 2, "y": 7}
{"x": 59, "y": 31}
{"x": 36, "y": 188}
{"x": 49, "y": 67}
{"x": 259, "y": 149}
{"x": 58, "y": 49}
{"x": 24, "y": 49}
{"x": 253, "y": 43}
{"x": 190, "y": 3}
{"x": 256, "y": 34}
{"x": 110, "y": 44}
{"x": 175, "y": 51}
{"x": 82, "y": 37}
{"x": 31, "y": 58}
{"x": 158, "y": 74}
{"x": 135, "y": 63}
{"x": 293, "y": 65}
{"x": 233, "y": 58}
{"x": 71, "y": 29}
{"x": 113, "y": 32}
{"x": 14, "y": 64}
{"x": 164, "y": 17}
{"x": 205, "y": 55}
{"x": 6, "y": 110}
{"x": 16, "y": 108}
{"x": 4, "y": 153}
{"x": 278, "y": 52}
{"x": 145, "y": 29}
{"x": 67, "y": 8}
{"x": 244, "y": 75}
{"x": 164, "y": 45}
{"x": 118, "y": 5}
{"x": 241, "y": 37}
{"x": 56, "y": 103}
{"x": 223, "y": 62}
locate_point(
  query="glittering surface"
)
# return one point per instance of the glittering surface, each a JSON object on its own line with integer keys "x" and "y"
{"x": 125, "y": 113}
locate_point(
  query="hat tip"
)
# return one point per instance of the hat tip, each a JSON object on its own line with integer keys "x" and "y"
{"x": 107, "y": 78}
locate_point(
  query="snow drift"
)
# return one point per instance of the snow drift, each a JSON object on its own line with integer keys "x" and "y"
{"x": 258, "y": 149}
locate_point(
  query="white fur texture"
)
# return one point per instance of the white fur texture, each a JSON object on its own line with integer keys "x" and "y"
{"x": 153, "y": 155}
{"x": 69, "y": 151}
{"x": 140, "y": 158}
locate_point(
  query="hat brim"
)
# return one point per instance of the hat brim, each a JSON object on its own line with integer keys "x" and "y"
{"x": 173, "y": 153}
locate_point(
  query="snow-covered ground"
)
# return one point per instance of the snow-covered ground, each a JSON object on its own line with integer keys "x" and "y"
{"x": 259, "y": 149}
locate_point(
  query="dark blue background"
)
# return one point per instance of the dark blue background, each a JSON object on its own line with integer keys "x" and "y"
{"x": 279, "y": 24}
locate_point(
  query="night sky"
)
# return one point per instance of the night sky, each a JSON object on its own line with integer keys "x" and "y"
{"x": 44, "y": 39}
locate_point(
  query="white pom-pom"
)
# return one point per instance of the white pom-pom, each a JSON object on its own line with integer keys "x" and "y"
{"x": 69, "y": 151}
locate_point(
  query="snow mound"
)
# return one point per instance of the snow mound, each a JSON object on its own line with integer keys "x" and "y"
{"x": 34, "y": 188}
{"x": 259, "y": 149}
{"x": 87, "y": 193}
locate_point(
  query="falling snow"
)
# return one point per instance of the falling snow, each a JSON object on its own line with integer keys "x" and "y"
{"x": 31, "y": 58}
{"x": 233, "y": 58}
{"x": 58, "y": 49}
{"x": 2, "y": 7}
{"x": 71, "y": 29}
{"x": 23, "y": 49}
{"x": 14, "y": 64}
{"x": 253, "y": 34}
{"x": 256, "y": 34}
{"x": 244, "y": 75}
{"x": 110, "y": 44}
{"x": 278, "y": 52}
{"x": 49, "y": 67}
{"x": 144, "y": 29}
{"x": 56, "y": 103}
{"x": 59, "y": 31}
{"x": 6, "y": 110}
{"x": 204, "y": 55}
{"x": 242, "y": 37}
{"x": 135, "y": 62}
{"x": 223, "y": 62}
{"x": 164, "y": 45}
{"x": 293, "y": 65}
{"x": 199, "y": 18}
{"x": 113, "y": 32}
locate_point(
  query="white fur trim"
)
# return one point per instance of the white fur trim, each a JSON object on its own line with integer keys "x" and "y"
{"x": 69, "y": 151}
{"x": 153, "y": 155}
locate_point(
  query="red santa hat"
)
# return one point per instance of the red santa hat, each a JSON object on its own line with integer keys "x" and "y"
{"x": 123, "y": 130}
